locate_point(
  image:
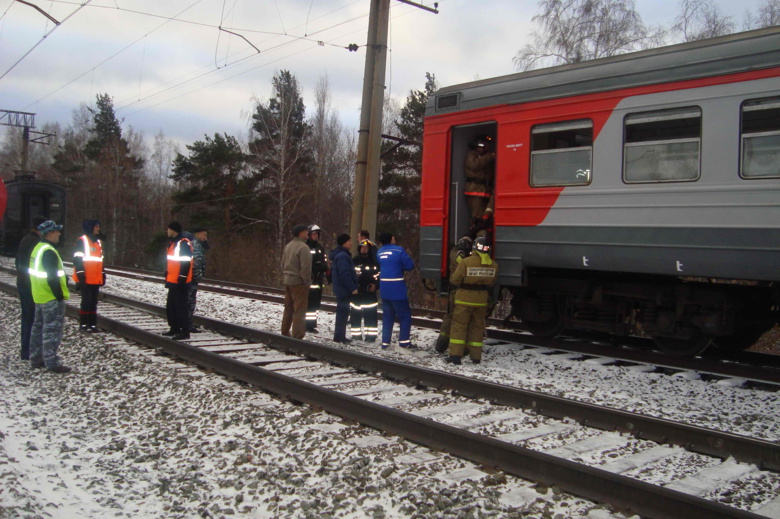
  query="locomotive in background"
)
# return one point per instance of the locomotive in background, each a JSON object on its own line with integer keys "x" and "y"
{"x": 634, "y": 195}
{"x": 26, "y": 198}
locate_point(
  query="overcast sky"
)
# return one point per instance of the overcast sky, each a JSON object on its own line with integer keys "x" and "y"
{"x": 185, "y": 77}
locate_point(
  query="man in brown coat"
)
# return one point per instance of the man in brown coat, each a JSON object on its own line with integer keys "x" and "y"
{"x": 296, "y": 266}
{"x": 480, "y": 173}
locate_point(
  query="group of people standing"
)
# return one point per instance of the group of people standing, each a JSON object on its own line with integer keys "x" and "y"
{"x": 356, "y": 282}
{"x": 43, "y": 289}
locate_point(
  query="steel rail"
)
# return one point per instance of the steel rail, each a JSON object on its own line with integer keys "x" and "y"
{"x": 598, "y": 485}
{"x": 719, "y": 444}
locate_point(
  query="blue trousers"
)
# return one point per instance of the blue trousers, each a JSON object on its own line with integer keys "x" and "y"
{"x": 342, "y": 315}
{"x": 392, "y": 309}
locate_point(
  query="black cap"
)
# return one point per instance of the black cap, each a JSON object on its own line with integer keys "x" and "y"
{"x": 196, "y": 230}
{"x": 174, "y": 226}
{"x": 343, "y": 238}
{"x": 298, "y": 229}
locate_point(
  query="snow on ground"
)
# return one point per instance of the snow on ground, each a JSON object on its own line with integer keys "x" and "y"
{"x": 748, "y": 412}
{"x": 133, "y": 434}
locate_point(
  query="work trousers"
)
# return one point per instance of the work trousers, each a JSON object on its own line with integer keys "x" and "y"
{"x": 192, "y": 300}
{"x": 363, "y": 316}
{"x": 392, "y": 309}
{"x": 176, "y": 308}
{"x": 295, "y": 300}
{"x": 342, "y": 315}
{"x": 479, "y": 204}
{"x": 89, "y": 302}
{"x": 467, "y": 330}
{"x": 315, "y": 301}
{"x": 28, "y": 316}
{"x": 46, "y": 334}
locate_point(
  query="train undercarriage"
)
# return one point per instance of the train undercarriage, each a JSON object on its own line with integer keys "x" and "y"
{"x": 682, "y": 316}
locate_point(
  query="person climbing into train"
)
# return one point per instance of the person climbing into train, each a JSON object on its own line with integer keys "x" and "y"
{"x": 480, "y": 175}
{"x": 319, "y": 267}
{"x": 345, "y": 284}
{"x": 473, "y": 278}
{"x": 461, "y": 250}
{"x": 363, "y": 305}
{"x": 49, "y": 286}
{"x": 88, "y": 273}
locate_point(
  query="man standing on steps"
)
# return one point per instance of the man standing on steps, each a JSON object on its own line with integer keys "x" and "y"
{"x": 50, "y": 291}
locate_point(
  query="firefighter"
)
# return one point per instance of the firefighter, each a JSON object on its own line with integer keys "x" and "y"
{"x": 457, "y": 254}
{"x": 88, "y": 273}
{"x": 480, "y": 175}
{"x": 319, "y": 267}
{"x": 473, "y": 277}
{"x": 363, "y": 306}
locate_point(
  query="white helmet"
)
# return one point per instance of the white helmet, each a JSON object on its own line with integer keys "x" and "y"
{"x": 314, "y": 228}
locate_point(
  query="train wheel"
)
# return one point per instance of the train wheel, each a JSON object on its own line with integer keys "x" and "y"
{"x": 683, "y": 347}
{"x": 549, "y": 328}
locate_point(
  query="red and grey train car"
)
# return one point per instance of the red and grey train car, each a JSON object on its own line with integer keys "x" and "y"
{"x": 634, "y": 195}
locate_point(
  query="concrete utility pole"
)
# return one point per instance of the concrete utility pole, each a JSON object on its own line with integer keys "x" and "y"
{"x": 364, "y": 203}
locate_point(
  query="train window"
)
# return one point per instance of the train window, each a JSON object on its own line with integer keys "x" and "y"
{"x": 761, "y": 139}
{"x": 561, "y": 153}
{"x": 662, "y": 146}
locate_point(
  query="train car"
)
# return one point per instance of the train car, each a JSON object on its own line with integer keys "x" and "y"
{"x": 28, "y": 198}
{"x": 634, "y": 195}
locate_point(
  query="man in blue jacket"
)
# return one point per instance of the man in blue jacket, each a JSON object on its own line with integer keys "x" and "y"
{"x": 342, "y": 271}
{"x": 393, "y": 262}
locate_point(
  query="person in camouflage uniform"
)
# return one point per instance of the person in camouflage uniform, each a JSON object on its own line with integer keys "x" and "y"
{"x": 457, "y": 254}
{"x": 200, "y": 244}
{"x": 50, "y": 291}
{"x": 473, "y": 277}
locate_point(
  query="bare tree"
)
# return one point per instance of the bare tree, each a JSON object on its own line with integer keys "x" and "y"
{"x": 579, "y": 30}
{"x": 701, "y": 19}
{"x": 768, "y": 15}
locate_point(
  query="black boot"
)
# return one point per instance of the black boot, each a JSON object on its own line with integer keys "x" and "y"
{"x": 453, "y": 359}
{"x": 442, "y": 343}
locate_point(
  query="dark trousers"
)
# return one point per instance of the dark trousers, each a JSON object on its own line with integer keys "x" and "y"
{"x": 315, "y": 301}
{"x": 400, "y": 309}
{"x": 89, "y": 302}
{"x": 363, "y": 310}
{"x": 28, "y": 317}
{"x": 342, "y": 315}
{"x": 192, "y": 300}
{"x": 176, "y": 308}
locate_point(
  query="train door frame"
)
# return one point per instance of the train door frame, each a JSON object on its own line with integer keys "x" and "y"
{"x": 460, "y": 138}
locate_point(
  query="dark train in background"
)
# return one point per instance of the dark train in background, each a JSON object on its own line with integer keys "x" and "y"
{"x": 27, "y": 198}
{"x": 634, "y": 195}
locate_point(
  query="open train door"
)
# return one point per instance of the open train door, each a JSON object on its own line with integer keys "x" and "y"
{"x": 463, "y": 139}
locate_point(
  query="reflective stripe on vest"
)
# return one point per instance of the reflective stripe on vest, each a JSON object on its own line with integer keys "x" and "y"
{"x": 93, "y": 261}
{"x": 175, "y": 261}
{"x": 39, "y": 279}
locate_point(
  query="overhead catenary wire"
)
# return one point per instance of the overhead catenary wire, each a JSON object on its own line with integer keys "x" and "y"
{"x": 46, "y": 35}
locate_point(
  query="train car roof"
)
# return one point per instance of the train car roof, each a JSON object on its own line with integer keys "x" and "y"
{"x": 741, "y": 52}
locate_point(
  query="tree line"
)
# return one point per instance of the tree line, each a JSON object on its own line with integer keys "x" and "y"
{"x": 297, "y": 167}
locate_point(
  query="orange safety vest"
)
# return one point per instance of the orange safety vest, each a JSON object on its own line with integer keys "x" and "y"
{"x": 92, "y": 256}
{"x": 175, "y": 261}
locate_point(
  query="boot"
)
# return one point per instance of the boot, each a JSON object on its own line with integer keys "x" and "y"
{"x": 442, "y": 343}
{"x": 453, "y": 359}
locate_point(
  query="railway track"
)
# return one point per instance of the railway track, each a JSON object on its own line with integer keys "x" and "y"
{"x": 455, "y": 414}
{"x": 749, "y": 369}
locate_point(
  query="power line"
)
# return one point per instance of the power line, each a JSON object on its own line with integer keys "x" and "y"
{"x": 43, "y": 38}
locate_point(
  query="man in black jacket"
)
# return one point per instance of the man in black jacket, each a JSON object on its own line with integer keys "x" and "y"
{"x": 26, "y": 246}
{"x": 318, "y": 268}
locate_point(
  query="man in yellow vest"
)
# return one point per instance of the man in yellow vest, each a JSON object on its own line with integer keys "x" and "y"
{"x": 50, "y": 291}
{"x": 473, "y": 277}
{"x": 88, "y": 273}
